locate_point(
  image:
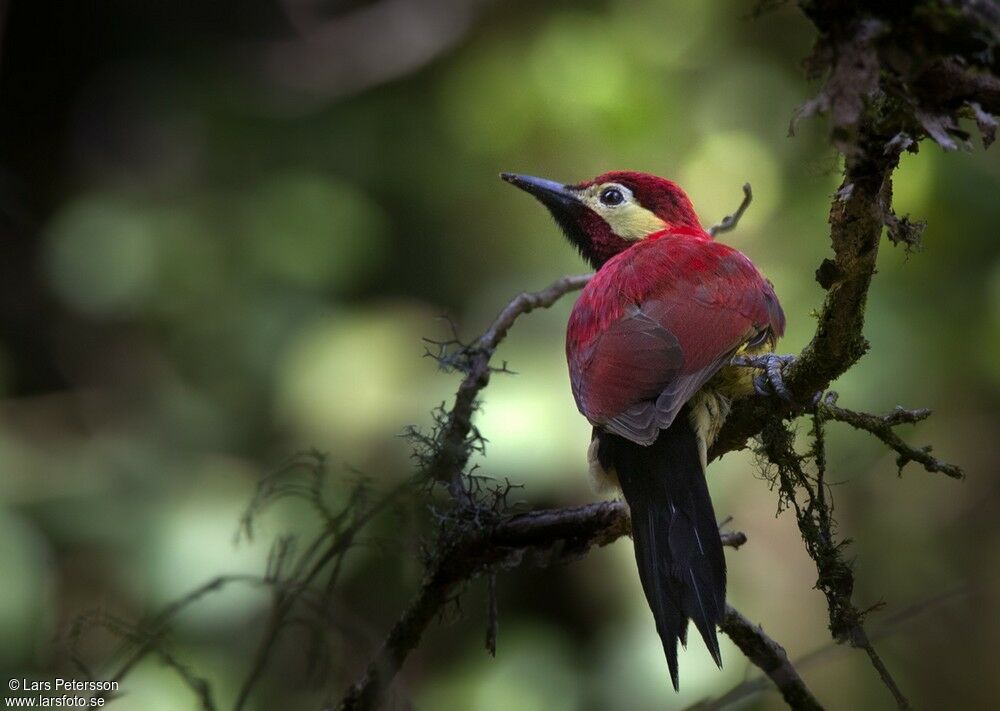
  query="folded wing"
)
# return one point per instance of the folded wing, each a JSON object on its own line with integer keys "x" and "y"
{"x": 672, "y": 334}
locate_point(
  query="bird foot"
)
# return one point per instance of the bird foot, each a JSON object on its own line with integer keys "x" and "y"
{"x": 771, "y": 381}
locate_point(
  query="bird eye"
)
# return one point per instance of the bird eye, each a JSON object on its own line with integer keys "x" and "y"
{"x": 612, "y": 197}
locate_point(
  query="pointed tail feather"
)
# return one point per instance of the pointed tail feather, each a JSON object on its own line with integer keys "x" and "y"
{"x": 677, "y": 544}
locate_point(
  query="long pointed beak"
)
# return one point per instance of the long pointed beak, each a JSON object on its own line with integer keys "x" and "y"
{"x": 549, "y": 192}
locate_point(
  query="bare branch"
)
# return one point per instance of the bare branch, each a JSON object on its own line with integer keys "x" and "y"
{"x": 571, "y": 532}
{"x": 527, "y": 302}
{"x": 770, "y": 657}
{"x": 452, "y": 453}
{"x": 881, "y": 426}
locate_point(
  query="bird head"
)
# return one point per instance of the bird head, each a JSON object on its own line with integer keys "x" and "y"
{"x": 607, "y": 215}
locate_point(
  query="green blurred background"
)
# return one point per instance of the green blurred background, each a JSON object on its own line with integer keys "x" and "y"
{"x": 226, "y": 227}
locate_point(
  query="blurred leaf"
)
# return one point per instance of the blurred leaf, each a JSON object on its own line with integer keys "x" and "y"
{"x": 314, "y": 231}
{"x": 26, "y": 597}
{"x": 102, "y": 255}
{"x": 715, "y": 171}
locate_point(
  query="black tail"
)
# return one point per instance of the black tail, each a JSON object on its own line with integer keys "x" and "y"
{"x": 677, "y": 542}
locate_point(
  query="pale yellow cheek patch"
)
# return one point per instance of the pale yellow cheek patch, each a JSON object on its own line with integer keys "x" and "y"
{"x": 629, "y": 220}
{"x": 633, "y": 222}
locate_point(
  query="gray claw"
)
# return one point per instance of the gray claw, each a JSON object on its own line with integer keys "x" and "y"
{"x": 773, "y": 368}
{"x": 771, "y": 381}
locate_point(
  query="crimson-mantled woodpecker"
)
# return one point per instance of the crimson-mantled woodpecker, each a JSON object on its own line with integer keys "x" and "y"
{"x": 649, "y": 345}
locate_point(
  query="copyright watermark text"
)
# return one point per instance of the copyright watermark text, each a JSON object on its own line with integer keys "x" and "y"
{"x": 57, "y": 693}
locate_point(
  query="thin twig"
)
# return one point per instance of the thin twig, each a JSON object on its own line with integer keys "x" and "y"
{"x": 860, "y": 640}
{"x": 147, "y": 637}
{"x": 881, "y": 426}
{"x": 491, "y": 613}
{"x": 286, "y": 598}
{"x": 729, "y": 222}
{"x": 198, "y": 685}
{"x": 452, "y": 452}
